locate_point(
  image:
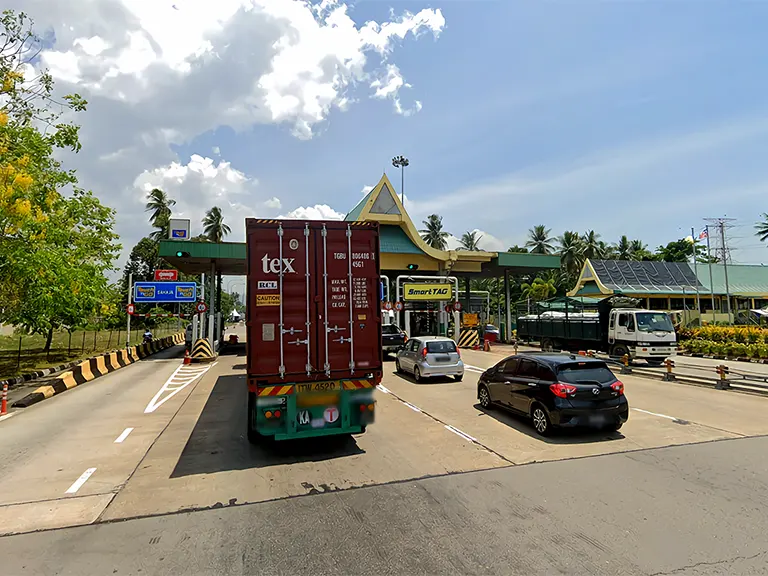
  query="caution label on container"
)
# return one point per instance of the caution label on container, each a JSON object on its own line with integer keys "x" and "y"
{"x": 268, "y": 300}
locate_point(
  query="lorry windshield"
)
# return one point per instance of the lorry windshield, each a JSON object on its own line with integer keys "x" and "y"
{"x": 654, "y": 322}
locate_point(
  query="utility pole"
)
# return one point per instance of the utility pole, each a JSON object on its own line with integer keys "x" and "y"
{"x": 721, "y": 224}
{"x": 401, "y": 162}
{"x": 696, "y": 276}
{"x": 711, "y": 284}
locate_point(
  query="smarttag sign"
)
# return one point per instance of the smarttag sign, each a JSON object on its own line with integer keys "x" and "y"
{"x": 164, "y": 292}
{"x": 427, "y": 292}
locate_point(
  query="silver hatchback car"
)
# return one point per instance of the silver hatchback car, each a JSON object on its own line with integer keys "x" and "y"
{"x": 427, "y": 356}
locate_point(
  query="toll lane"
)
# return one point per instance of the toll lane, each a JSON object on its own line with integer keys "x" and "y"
{"x": 204, "y": 459}
{"x": 59, "y": 459}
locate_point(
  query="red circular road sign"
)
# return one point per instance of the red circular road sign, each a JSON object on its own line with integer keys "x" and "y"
{"x": 457, "y": 306}
{"x": 449, "y": 308}
{"x": 130, "y": 308}
{"x": 201, "y": 307}
{"x": 388, "y": 306}
{"x": 398, "y": 306}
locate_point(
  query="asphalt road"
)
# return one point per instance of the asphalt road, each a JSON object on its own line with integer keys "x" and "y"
{"x": 436, "y": 485}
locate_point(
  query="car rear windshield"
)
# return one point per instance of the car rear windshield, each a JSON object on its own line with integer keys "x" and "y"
{"x": 585, "y": 373}
{"x": 443, "y": 346}
{"x": 389, "y": 329}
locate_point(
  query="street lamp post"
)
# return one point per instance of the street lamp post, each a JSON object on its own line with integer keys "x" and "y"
{"x": 401, "y": 162}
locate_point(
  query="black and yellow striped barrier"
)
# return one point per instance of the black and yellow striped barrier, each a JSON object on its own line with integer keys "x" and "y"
{"x": 469, "y": 339}
{"x": 92, "y": 368}
{"x": 202, "y": 351}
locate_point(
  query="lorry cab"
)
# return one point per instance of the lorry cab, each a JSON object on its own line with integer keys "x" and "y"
{"x": 645, "y": 334}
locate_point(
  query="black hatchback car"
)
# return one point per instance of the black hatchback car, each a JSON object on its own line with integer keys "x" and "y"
{"x": 556, "y": 390}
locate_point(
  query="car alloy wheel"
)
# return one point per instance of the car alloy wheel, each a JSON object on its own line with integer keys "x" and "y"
{"x": 485, "y": 397}
{"x": 540, "y": 420}
{"x": 417, "y": 374}
{"x": 397, "y": 366}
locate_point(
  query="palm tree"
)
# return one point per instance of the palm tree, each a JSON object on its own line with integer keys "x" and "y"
{"x": 571, "y": 251}
{"x": 433, "y": 233}
{"x": 517, "y": 249}
{"x": 213, "y": 225}
{"x": 593, "y": 248}
{"x": 215, "y": 229}
{"x": 470, "y": 241}
{"x": 639, "y": 250}
{"x": 762, "y": 227}
{"x": 539, "y": 240}
{"x": 624, "y": 249}
{"x": 159, "y": 203}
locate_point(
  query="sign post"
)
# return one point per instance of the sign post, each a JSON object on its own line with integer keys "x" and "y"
{"x": 130, "y": 296}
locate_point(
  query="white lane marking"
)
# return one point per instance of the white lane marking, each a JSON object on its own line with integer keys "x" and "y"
{"x": 124, "y": 435}
{"x": 383, "y": 388}
{"x": 460, "y": 433}
{"x": 182, "y": 377}
{"x": 7, "y": 416}
{"x": 80, "y": 481}
{"x": 656, "y": 414}
{"x": 474, "y": 368}
{"x": 411, "y": 406}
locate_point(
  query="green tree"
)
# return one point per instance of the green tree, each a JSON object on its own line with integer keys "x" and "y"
{"x": 539, "y": 289}
{"x": 762, "y": 227}
{"x": 433, "y": 233}
{"x": 517, "y": 249}
{"x": 470, "y": 241}
{"x": 215, "y": 229}
{"x": 624, "y": 250}
{"x": 680, "y": 251}
{"x": 159, "y": 204}
{"x": 54, "y": 249}
{"x": 571, "y": 251}
{"x": 539, "y": 240}
{"x": 593, "y": 248}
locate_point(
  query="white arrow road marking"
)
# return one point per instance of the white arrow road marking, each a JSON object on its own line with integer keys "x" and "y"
{"x": 80, "y": 481}
{"x": 182, "y": 377}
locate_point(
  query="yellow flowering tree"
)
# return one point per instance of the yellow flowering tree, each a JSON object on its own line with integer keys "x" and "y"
{"x": 56, "y": 240}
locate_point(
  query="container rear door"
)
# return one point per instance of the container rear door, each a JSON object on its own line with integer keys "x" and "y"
{"x": 281, "y": 306}
{"x": 348, "y": 333}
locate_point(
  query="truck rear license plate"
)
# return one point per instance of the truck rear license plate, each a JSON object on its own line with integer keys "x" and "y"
{"x": 318, "y": 387}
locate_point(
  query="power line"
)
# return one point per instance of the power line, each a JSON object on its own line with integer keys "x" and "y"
{"x": 721, "y": 224}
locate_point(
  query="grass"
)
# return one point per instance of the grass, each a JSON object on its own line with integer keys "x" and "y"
{"x": 64, "y": 348}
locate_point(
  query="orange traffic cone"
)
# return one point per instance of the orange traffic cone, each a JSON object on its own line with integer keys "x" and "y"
{"x": 187, "y": 359}
{"x": 486, "y": 346}
{"x": 4, "y": 404}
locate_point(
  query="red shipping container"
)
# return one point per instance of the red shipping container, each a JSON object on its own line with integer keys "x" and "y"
{"x": 313, "y": 301}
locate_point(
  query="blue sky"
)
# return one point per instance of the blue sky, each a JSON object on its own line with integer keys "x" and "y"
{"x": 637, "y": 118}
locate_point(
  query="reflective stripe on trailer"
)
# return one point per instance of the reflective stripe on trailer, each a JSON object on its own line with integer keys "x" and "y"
{"x": 357, "y": 384}
{"x": 275, "y": 390}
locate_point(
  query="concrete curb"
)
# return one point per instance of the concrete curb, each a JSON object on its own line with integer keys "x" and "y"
{"x": 92, "y": 368}
{"x": 734, "y": 385}
{"x": 15, "y": 381}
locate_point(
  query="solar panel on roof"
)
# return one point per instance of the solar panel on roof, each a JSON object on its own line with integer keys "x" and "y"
{"x": 630, "y": 276}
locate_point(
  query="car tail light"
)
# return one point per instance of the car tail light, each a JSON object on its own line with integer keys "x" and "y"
{"x": 562, "y": 390}
{"x": 424, "y": 353}
{"x": 458, "y": 352}
{"x": 618, "y": 387}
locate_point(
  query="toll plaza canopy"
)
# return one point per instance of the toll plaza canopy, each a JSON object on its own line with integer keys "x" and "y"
{"x": 402, "y": 247}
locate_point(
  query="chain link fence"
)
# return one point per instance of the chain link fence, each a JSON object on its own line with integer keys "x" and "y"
{"x": 26, "y": 353}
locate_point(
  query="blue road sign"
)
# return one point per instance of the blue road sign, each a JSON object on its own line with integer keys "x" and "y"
{"x": 164, "y": 292}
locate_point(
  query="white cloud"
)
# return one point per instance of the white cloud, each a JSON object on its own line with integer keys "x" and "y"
{"x": 159, "y": 74}
{"x": 197, "y": 186}
{"x": 388, "y": 86}
{"x": 316, "y": 212}
{"x": 365, "y": 190}
{"x": 273, "y": 203}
